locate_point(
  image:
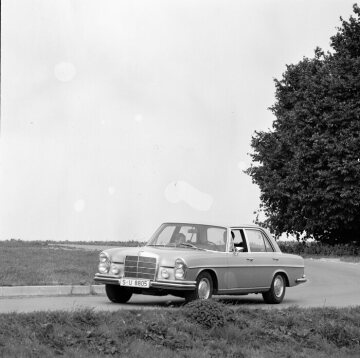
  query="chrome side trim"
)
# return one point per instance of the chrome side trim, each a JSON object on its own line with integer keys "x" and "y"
{"x": 232, "y": 266}
{"x": 208, "y": 267}
{"x": 231, "y": 291}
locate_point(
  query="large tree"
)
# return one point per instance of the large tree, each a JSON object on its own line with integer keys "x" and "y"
{"x": 308, "y": 165}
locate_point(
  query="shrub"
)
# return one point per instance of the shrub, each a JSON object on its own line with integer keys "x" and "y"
{"x": 207, "y": 313}
{"x": 317, "y": 248}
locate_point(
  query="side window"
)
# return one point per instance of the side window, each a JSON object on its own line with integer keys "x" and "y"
{"x": 239, "y": 240}
{"x": 216, "y": 236}
{"x": 256, "y": 241}
{"x": 267, "y": 244}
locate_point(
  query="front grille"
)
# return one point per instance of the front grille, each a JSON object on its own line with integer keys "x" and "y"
{"x": 140, "y": 267}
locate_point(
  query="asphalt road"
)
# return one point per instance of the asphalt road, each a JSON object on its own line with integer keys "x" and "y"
{"x": 331, "y": 283}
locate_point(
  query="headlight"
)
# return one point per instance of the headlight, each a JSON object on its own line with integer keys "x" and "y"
{"x": 165, "y": 273}
{"x": 104, "y": 264}
{"x": 180, "y": 269}
{"x": 116, "y": 269}
{"x": 103, "y": 268}
{"x": 103, "y": 257}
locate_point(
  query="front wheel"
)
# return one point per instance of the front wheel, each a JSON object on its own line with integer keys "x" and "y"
{"x": 277, "y": 290}
{"x": 117, "y": 294}
{"x": 203, "y": 290}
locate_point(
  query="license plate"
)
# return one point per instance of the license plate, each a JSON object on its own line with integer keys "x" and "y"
{"x": 130, "y": 282}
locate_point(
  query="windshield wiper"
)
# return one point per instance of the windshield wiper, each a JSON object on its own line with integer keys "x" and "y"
{"x": 186, "y": 244}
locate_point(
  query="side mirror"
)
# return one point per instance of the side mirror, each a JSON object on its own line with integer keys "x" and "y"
{"x": 239, "y": 249}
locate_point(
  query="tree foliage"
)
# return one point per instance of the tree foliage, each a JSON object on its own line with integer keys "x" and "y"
{"x": 308, "y": 165}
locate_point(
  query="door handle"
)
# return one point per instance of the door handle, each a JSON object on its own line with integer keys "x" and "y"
{"x": 275, "y": 259}
{"x": 250, "y": 259}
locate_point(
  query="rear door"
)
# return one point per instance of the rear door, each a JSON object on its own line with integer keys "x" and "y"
{"x": 262, "y": 255}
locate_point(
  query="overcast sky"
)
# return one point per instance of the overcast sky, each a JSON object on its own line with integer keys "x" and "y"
{"x": 120, "y": 115}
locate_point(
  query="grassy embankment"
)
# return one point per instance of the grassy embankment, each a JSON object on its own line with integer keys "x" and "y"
{"x": 186, "y": 332}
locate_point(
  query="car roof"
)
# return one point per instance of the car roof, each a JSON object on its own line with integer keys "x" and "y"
{"x": 212, "y": 224}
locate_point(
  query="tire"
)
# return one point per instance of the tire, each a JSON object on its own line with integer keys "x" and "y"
{"x": 203, "y": 290}
{"x": 277, "y": 290}
{"x": 118, "y": 294}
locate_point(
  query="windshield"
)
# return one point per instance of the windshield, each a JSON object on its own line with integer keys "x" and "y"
{"x": 203, "y": 237}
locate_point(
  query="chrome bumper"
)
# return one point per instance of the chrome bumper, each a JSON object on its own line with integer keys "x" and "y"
{"x": 303, "y": 279}
{"x": 165, "y": 285}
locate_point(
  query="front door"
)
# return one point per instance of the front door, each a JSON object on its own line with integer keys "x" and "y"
{"x": 239, "y": 273}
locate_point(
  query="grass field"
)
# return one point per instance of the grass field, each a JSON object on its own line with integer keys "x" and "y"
{"x": 47, "y": 263}
{"x": 183, "y": 332}
{"x": 33, "y": 263}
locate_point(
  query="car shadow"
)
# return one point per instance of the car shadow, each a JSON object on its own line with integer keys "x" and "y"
{"x": 176, "y": 302}
{"x": 252, "y": 300}
{"x": 241, "y": 300}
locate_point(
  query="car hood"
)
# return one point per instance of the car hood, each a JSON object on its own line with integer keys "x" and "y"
{"x": 166, "y": 256}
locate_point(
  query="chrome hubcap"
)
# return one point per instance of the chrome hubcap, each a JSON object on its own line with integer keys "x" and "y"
{"x": 278, "y": 286}
{"x": 204, "y": 289}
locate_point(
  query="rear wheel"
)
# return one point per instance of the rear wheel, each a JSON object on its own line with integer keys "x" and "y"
{"x": 203, "y": 290}
{"x": 118, "y": 294}
{"x": 277, "y": 290}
